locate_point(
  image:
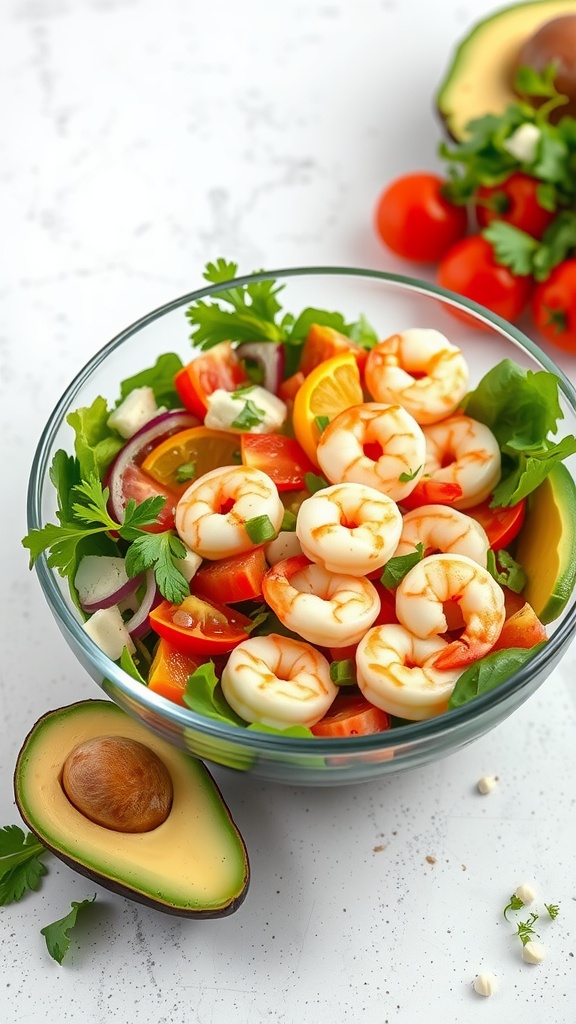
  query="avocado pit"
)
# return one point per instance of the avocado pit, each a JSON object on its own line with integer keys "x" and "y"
{"x": 554, "y": 43}
{"x": 119, "y": 783}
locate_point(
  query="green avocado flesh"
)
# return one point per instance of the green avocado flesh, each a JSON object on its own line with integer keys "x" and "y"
{"x": 194, "y": 864}
{"x": 479, "y": 80}
{"x": 547, "y": 545}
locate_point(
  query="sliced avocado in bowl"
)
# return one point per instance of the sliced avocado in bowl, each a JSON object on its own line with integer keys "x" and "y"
{"x": 547, "y": 544}
{"x": 480, "y": 78}
{"x": 74, "y": 771}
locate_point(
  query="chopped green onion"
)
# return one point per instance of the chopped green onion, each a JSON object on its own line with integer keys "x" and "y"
{"x": 322, "y": 422}
{"x": 314, "y": 483}
{"x": 186, "y": 471}
{"x": 260, "y": 529}
{"x": 405, "y": 478}
{"x": 289, "y": 521}
{"x": 343, "y": 673}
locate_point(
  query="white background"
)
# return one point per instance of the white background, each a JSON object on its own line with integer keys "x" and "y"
{"x": 138, "y": 140}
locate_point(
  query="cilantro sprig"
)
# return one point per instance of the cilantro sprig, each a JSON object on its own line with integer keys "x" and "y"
{"x": 57, "y": 934}
{"x": 87, "y": 517}
{"x": 21, "y": 867}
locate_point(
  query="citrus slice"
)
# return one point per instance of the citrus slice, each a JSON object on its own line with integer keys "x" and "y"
{"x": 330, "y": 388}
{"x": 185, "y": 456}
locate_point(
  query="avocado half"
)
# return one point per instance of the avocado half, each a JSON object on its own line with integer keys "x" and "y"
{"x": 547, "y": 545}
{"x": 479, "y": 79}
{"x": 194, "y": 864}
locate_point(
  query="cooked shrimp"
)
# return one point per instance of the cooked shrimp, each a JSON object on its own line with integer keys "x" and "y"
{"x": 212, "y": 513}
{"x": 328, "y": 609}
{"x": 395, "y": 671}
{"x": 442, "y": 529}
{"x": 349, "y": 528}
{"x": 463, "y": 455}
{"x": 278, "y": 682}
{"x": 452, "y": 587}
{"x": 421, "y": 370}
{"x": 380, "y": 446}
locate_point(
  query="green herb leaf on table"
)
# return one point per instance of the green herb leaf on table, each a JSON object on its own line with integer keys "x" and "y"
{"x": 396, "y": 568}
{"x": 525, "y": 929}
{"x": 490, "y": 672}
{"x": 553, "y": 910}
{"x": 203, "y": 695}
{"x": 57, "y": 934}
{"x": 515, "y": 904}
{"x": 160, "y": 378}
{"x": 21, "y": 867}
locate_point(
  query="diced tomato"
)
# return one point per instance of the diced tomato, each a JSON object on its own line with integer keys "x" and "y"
{"x": 343, "y": 653}
{"x": 282, "y": 458}
{"x": 198, "y": 626}
{"x": 513, "y": 601}
{"x": 323, "y": 343}
{"x": 432, "y": 492}
{"x": 501, "y": 524}
{"x": 169, "y": 671}
{"x": 288, "y": 388}
{"x": 138, "y": 485}
{"x": 352, "y": 715}
{"x": 219, "y": 367}
{"x": 522, "y": 629}
{"x": 230, "y": 580}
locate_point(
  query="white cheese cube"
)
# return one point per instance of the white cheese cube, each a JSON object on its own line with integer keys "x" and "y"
{"x": 106, "y": 628}
{"x": 225, "y": 408}
{"x": 134, "y": 412}
{"x": 188, "y": 565}
{"x": 285, "y": 545}
{"x": 523, "y": 142}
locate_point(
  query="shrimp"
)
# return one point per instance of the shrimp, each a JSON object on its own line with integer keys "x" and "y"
{"x": 394, "y": 670}
{"x": 421, "y": 370}
{"x": 278, "y": 682}
{"x": 427, "y": 597}
{"x": 328, "y": 609}
{"x": 380, "y": 446}
{"x": 212, "y": 513}
{"x": 462, "y": 461}
{"x": 440, "y": 528}
{"x": 349, "y": 528}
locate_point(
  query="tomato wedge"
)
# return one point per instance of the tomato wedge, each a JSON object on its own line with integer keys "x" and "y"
{"x": 169, "y": 671}
{"x": 198, "y": 626}
{"x": 432, "y": 492}
{"x": 138, "y": 485}
{"x": 217, "y": 368}
{"x": 232, "y": 579}
{"x": 352, "y": 715}
{"x": 281, "y": 458}
{"x": 501, "y": 524}
{"x": 324, "y": 343}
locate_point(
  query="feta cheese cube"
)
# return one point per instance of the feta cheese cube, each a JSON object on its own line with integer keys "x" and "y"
{"x": 106, "y": 628}
{"x": 134, "y": 412}
{"x": 254, "y": 411}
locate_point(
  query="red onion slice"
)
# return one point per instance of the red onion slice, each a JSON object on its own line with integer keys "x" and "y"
{"x": 269, "y": 357}
{"x": 101, "y": 581}
{"x": 139, "y": 625}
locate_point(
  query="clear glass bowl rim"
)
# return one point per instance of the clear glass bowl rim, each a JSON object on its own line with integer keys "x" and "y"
{"x": 180, "y": 717}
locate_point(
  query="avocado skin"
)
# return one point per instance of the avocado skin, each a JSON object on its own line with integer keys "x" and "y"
{"x": 449, "y": 96}
{"x": 224, "y": 909}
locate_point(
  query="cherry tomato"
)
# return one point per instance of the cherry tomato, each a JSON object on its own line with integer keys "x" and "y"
{"x": 469, "y": 268}
{"x": 199, "y": 626}
{"x": 352, "y": 715}
{"x": 138, "y": 485}
{"x": 415, "y": 220}
{"x": 554, "y": 306}
{"x": 323, "y": 343}
{"x": 514, "y": 201}
{"x": 501, "y": 524}
{"x": 280, "y": 457}
{"x": 432, "y": 492}
{"x": 219, "y": 367}
{"x": 230, "y": 580}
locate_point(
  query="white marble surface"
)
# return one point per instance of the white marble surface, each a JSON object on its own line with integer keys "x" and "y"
{"x": 139, "y": 140}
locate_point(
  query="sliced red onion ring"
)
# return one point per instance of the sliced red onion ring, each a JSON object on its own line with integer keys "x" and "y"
{"x": 101, "y": 581}
{"x": 139, "y": 625}
{"x": 269, "y": 356}
{"x": 138, "y": 447}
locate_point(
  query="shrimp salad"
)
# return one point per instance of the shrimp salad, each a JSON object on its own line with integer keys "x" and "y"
{"x": 316, "y": 538}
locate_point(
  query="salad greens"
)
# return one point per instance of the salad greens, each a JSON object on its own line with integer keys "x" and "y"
{"x": 487, "y": 673}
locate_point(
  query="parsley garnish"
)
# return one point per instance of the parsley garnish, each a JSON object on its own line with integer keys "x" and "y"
{"x": 57, "y": 934}
{"x": 525, "y": 929}
{"x": 553, "y": 910}
{"x": 515, "y": 904}
{"x": 21, "y": 868}
{"x": 249, "y": 416}
{"x": 157, "y": 551}
{"x": 396, "y": 568}
{"x": 405, "y": 478}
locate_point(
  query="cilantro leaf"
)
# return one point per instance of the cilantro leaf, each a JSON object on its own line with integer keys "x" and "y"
{"x": 249, "y": 416}
{"x": 160, "y": 378}
{"x": 21, "y": 868}
{"x": 489, "y": 672}
{"x": 512, "y": 247}
{"x": 157, "y": 551}
{"x": 57, "y": 934}
{"x": 396, "y": 568}
{"x": 553, "y": 910}
{"x": 252, "y": 315}
{"x": 515, "y": 904}
{"x": 95, "y": 443}
{"x": 203, "y": 695}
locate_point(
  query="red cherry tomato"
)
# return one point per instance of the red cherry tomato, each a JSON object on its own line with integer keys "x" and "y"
{"x": 469, "y": 269}
{"x": 501, "y": 524}
{"x": 282, "y": 458}
{"x": 554, "y": 306}
{"x": 138, "y": 485}
{"x": 415, "y": 220}
{"x": 199, "y": 626}
{"x": 514, "y": 201}
{"x": 230, "y": 580}
{"x": 217, "y": 368}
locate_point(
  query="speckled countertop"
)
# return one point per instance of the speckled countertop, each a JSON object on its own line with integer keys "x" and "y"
{"x": 135, "y": 145}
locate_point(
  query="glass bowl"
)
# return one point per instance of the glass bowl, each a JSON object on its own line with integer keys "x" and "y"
{"x": 391, "y": 303}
